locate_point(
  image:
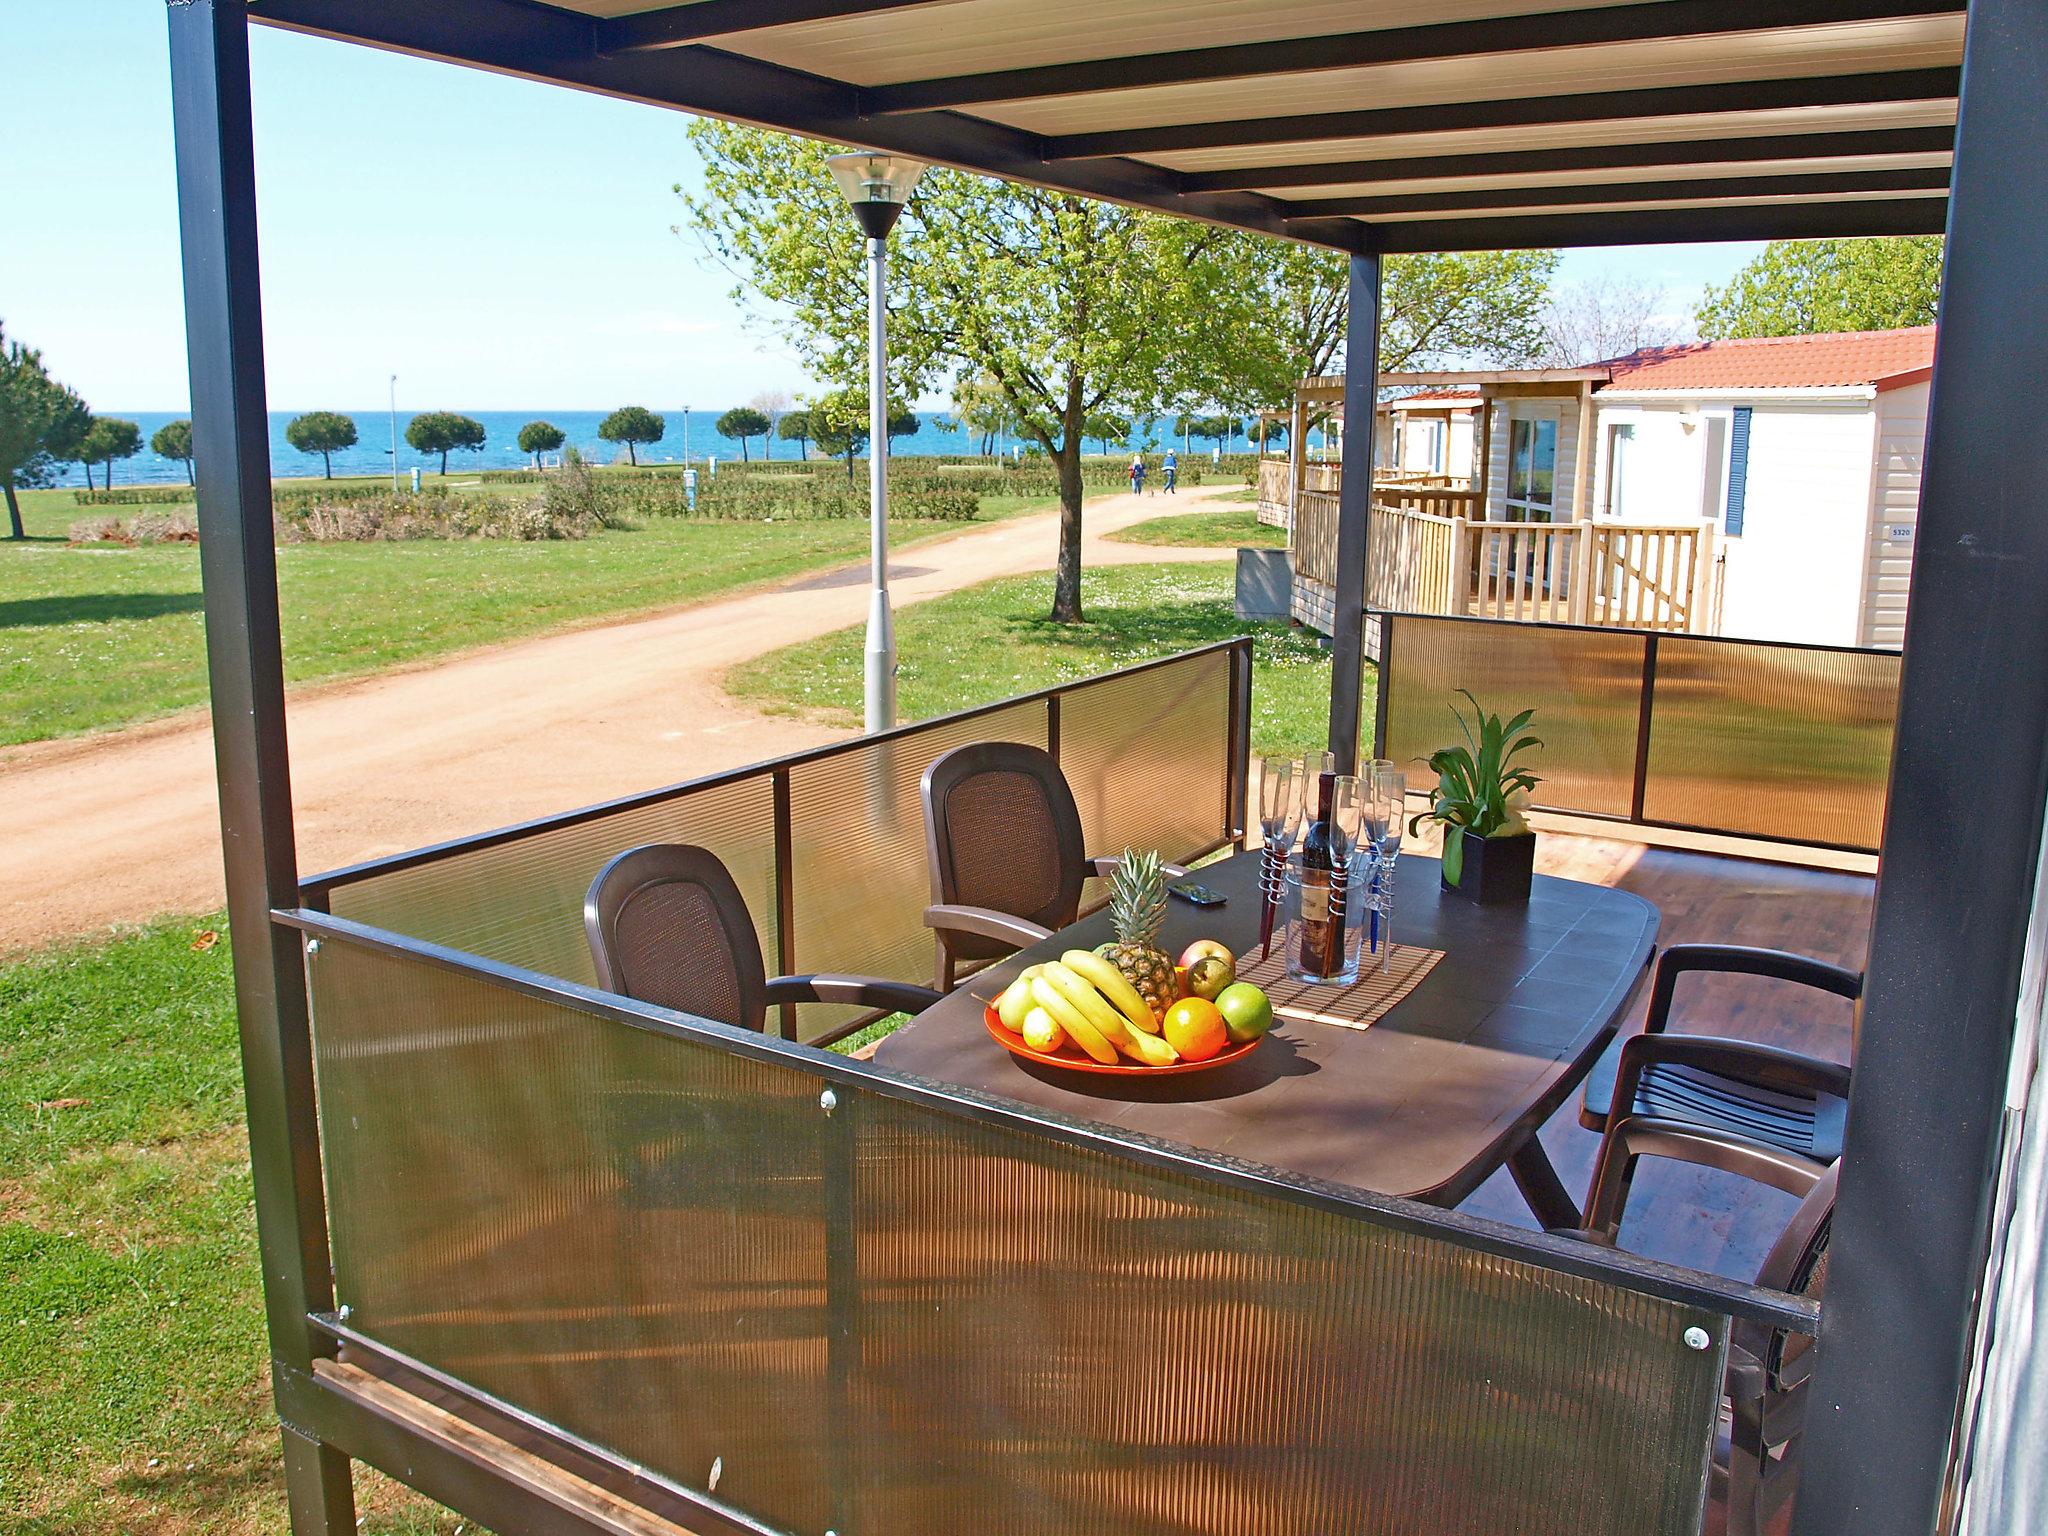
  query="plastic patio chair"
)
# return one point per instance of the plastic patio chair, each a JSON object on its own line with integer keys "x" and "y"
{"x": 1793, "y": 1105}
{"x": 1003, "y": 841}
{"x": 667, "y": 925}
{"x": 1756, "y": 1459}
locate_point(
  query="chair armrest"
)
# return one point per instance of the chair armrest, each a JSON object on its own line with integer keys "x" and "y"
{"x": 1103, "y": 865}
{"x": 987, "y": 924}
{"x": 861, "y": 991}
{"x": 1743, "y": 960}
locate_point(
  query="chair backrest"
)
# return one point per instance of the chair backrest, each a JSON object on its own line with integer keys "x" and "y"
{"x": 667, "y": 925}
{"x": 1002, "y": 832}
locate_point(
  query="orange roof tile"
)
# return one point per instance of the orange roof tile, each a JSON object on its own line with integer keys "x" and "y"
{"x": 1887, "y": 359}
{"x": 1437, "y": 397}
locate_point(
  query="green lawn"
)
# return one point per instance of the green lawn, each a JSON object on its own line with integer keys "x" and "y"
{"x": 106, "y": 636}
{"x": 131, "y": 1327}
{"x": 977, "y": 646}
{"x": 1219, "y": 530}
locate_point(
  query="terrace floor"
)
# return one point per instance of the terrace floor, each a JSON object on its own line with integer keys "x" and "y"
{"x": 1695, "y": 1217}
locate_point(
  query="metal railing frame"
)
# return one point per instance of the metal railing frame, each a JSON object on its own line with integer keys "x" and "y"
{"x": 1390, "y": 623}
{"x": 316, "y": 891}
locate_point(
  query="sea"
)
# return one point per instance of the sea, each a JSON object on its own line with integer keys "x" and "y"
{"x": 691, "y": 436}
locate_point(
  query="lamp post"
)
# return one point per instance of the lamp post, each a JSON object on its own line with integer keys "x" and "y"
{"x": 686, "y": 435}
{"x": 877, "y": 187}
{"x": 394, "y": 434}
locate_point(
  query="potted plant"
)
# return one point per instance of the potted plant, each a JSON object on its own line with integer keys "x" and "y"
{"x": 1489, "y": 851}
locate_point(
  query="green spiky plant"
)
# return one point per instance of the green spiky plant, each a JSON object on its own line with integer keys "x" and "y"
{"x": 1476, "y": 783}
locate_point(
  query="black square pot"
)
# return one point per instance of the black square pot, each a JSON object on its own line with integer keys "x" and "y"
{"x": 1496, "y": 869}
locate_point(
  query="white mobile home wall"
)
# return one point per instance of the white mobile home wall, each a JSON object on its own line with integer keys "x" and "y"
{"x": 1894, "y": 513}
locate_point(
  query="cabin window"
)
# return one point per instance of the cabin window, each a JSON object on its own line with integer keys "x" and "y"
{"x": 1532, "y": 469}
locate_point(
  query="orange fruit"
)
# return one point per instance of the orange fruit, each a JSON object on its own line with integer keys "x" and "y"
{"x": 1193, "y": 1027}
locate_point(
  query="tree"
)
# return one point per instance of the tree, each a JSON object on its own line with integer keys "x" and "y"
{"x": 105, "y": 439}
{"x": 173, "y": 440}
{"x": 795, "y": 427}
{"x": 322, "y": 432}
{"x": 631, "y": 424}
{"x": 1062, "y": 302}
{"x": 36, "y": 414}
{"x": 839, "y": 424}
{"x": 743, "y": 422}
{"x": 443, "y": 432}
{"x": 539, "y": 437}
{"x": 980, "y": 407}
{"x": 774, "y": 404}
{"x": 1804, "y": 287}
{"x": 1602, "y": 318}
{"x": 1106, "y": 427}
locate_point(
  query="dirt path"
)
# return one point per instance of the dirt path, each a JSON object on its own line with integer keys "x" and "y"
{"x": 119, "y": 827}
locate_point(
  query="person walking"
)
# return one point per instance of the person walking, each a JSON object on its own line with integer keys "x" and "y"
{"x": 1137, "y": 474}
{"x": 1172, "y": 468}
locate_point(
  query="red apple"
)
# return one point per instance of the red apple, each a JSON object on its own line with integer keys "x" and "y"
{"x": 1202, "y": 949}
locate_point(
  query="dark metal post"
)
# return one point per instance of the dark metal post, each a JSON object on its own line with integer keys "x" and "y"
{"x": 231, "y": 436}
{"x": 1969, "y": 777}
{"x": 1354, "y": 508}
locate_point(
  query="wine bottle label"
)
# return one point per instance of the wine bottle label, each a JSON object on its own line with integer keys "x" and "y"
{"x": 1315, "y": 903}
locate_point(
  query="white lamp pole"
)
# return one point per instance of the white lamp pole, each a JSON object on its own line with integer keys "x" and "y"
{"x": 877, "y": 187}
{"x": 394, "y": 434}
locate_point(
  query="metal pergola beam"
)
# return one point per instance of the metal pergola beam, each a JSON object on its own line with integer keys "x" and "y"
{"x": 1675, "y": 155}
{"x": 1874, "y": 89}
{"x": 1962, "y": 838}
{"x": 1668, "y": 226}
{"x": 1354, "y": 512}
{"x": 1540, "y": 32}
{"x": 1699, "y": 190}
{"x": 677, "y": 26}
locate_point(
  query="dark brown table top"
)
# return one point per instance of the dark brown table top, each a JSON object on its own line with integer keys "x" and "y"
{"x": 1426, "y": 1103}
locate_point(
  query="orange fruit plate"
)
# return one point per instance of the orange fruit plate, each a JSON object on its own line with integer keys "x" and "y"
{"x": 1074, "y": 1059}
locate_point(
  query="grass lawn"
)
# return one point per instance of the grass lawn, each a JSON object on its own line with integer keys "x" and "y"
{"x": 1221, "y": 530}
{"x": 977, "y": 646}
{"x": 131, "y": 1327}
{"x": 107, "y": 636}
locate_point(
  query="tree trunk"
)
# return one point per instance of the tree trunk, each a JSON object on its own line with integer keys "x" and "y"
{"x": 632, "y": 458}
{"x": 14, "y": 528}
{"x": 743, "y": 452}
{"x": 444, "y": 463}
{"x": 1066, "y": 586}
{"x": 188, "y": 473}
{"x": 327, "y": 459}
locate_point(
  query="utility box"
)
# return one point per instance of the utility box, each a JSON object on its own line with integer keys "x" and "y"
{"x": 1265, "y": 584}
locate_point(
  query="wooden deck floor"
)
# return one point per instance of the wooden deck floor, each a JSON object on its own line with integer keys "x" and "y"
{"x": 1708, "y": 1220}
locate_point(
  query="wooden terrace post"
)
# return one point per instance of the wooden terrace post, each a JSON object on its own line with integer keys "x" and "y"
{"x": 238, "y": 563}
{"x": 1354, "y": 504}
{"x": 1962, "y": 843}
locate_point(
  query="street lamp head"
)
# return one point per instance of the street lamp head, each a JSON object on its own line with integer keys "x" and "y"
{"x": 876, "y": 186}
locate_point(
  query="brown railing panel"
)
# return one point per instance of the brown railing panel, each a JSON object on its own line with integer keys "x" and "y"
{"x": 1583, "y": 685}
{"x": 841, "y": 1302}
{"x": 1774, "y": 741}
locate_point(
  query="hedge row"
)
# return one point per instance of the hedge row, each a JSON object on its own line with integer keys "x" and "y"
{"x": 135, "y": 496}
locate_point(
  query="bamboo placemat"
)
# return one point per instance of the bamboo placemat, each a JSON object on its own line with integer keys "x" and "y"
{"x": 1358, "y": 1006}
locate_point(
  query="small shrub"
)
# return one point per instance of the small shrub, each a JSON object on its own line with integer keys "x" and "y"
{"x": 145, "y": 528}
{"x": 135, "y": 496}
{"x": 96, "y": 530}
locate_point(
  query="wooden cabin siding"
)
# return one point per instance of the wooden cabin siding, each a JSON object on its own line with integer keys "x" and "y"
{"x": 1894, "y": 506}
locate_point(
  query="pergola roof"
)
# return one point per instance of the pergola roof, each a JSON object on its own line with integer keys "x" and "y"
{"x": 1359, "y": 124}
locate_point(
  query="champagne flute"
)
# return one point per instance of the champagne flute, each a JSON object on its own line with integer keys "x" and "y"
{"x": 1279, "y": 824}
{"x": 1349, "y": 819}
{"x": 1390, "y": 795}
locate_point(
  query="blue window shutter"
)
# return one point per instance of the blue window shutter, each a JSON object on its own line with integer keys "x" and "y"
{"x": 1738, "y": 471}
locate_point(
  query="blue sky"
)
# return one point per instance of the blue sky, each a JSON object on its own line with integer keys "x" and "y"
{"x": 497, "y": 244}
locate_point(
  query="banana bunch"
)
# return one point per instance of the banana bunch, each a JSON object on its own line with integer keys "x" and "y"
{"x": 1083, "y": 998}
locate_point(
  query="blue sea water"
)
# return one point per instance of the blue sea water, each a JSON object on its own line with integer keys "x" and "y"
{"x": 372, "y": 453}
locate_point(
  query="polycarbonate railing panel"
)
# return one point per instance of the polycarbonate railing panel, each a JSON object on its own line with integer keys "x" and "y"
{"x": 520, "y": 900}
{"x": 1585, "y": 686}
{"x": 619, "y": 1231}
{"x": 1774, "y": 741}
{"x": 860, "y": 876}
{"x": 898, "y": 1318}
{"x": 1148, "y": 756}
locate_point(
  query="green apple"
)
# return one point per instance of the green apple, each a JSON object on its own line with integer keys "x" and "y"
{"x": 1247, "y": 1013}
{"x": 1208, "y": 976}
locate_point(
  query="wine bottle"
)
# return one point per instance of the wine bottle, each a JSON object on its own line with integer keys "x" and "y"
{"x": 1320, "y": 934}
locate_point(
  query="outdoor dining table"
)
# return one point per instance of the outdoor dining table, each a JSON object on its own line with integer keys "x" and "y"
{"x": 1449, "y": 1085}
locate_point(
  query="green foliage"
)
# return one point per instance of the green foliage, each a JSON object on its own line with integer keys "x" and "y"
{"x": 1477, "y": 785}
{"x": 795, "y": 427}
{"x": 1106, "y": 427}
{"x": 133, "y": 496}
{"x": 36, "y": 415}
{"x": 444, "y": 432}
{"x": 743, "y": 422}
{"x": 538, "y": 437}
{"x": 1061, "y": 304}
{"x": 321, "y": 432}
{"x": 105, "y": 439}
{"x": 173, "y": 440}
{"x": 631, "y": 425}
{"x": 1810, "y": 287}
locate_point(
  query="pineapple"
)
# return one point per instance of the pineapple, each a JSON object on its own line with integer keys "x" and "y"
{"x": 1137, "y": 911}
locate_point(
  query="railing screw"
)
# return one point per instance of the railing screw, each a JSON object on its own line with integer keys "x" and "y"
{"x": 343, "y": 1313}
{"x": 828, "y": 1101}
{"x": 312, "y": 948}
{"x": 1696, "y": 1338}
